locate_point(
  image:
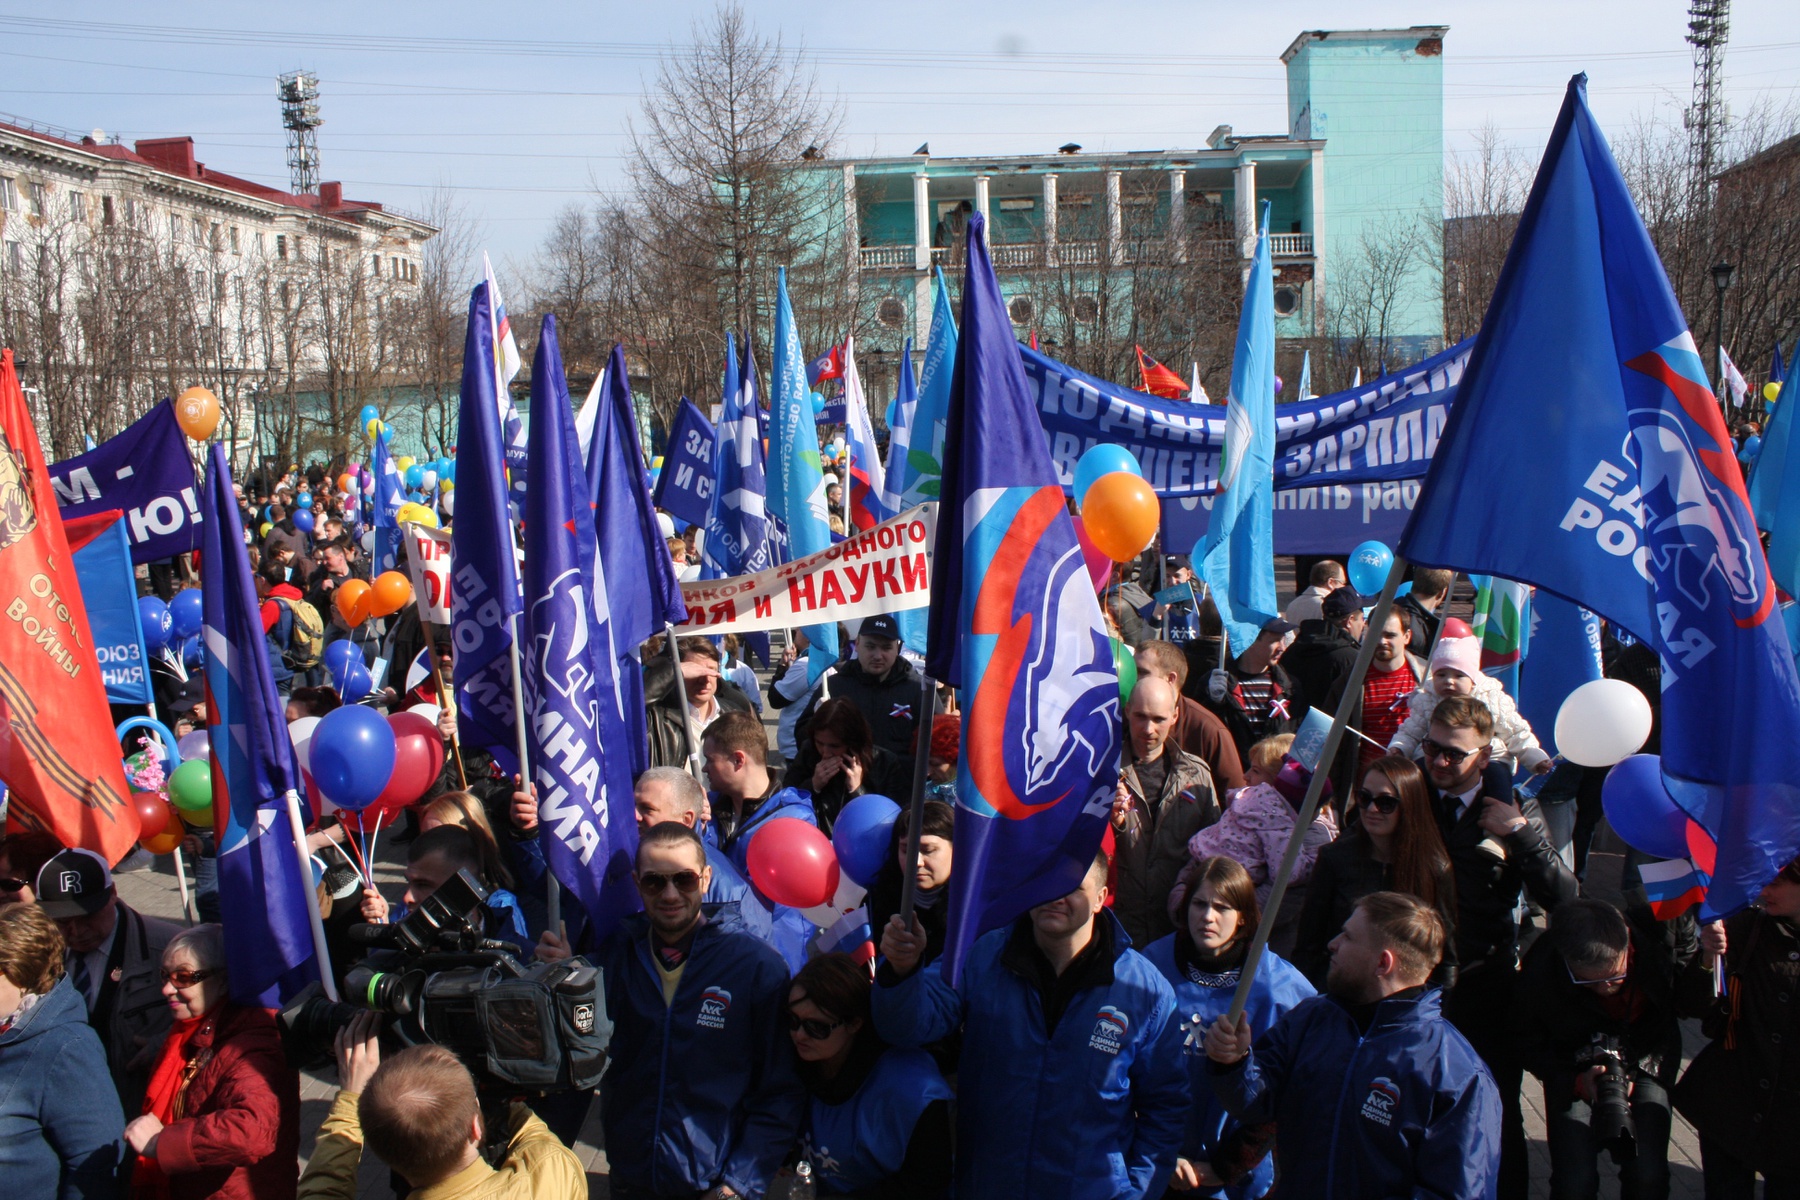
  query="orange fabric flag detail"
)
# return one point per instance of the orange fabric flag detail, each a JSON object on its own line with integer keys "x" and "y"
{"x": 1158, "y": 379}
{"x": 58, "y": 756}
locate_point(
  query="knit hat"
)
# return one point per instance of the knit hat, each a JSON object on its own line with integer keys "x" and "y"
{"x": 1292, "y": 780}
{"x": 1459, "y": 654}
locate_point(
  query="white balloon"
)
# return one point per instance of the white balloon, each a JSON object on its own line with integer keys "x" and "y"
{"x": 666, "y": 524}
{"x": 430, "y": 481}
{"x": 447, "y": 502}
{"x": 848, "y": 896}
{"x": 1603, "y": 722}
{"x": 302, "y": 731}
{"x": 428, "y": 711}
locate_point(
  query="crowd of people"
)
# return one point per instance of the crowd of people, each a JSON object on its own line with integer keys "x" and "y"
{"x": 1440, "y": 937}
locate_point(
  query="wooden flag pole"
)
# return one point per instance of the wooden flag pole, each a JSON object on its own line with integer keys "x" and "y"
{"x": 1315, "y": 789}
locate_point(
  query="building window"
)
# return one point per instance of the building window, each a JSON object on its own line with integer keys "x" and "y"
{"x": 77, "y": 206}
{"x": 174, "y": 227}
{"x": 199, "y": 232}
{"x": 281, "y": 245}
{"x": 39, "y": 199}
{"x": 106, "y": 210}
{"x": 891, "y": 312}
{"x": 15, "y": 256}
{"x": 214, "y": 237}
{"x": 1021, "y": 310}
{"x": 375, "y": 265}
{"x": 1287, "y": 300}
{"x": 258, "y": 244}
{"x": 234, "y": 240}
{"x": 283, "y": 291}
{"x": 9, "y": 193}
{"x": 1086, "y": 308}
{"x": 131, "y": 210}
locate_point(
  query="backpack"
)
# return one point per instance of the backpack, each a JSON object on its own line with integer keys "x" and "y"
{"x": 306, "y": 638}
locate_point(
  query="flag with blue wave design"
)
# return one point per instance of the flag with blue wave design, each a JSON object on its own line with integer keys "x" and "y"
{"x": 1237, "y": 555}
{"x": 580, "y": 760}
{"x": 796, "y": 482}
{"x": 1630, "y": 502}
{"x": 484, "y": 577}
{"x": 914, "y": 621}
{"x": 1015, "y": 625}
{"x": 263, "y": 896}
{"x": 642, "y": 592}
{"x": 389, "y": 495}
{"x": 737, "y": 527}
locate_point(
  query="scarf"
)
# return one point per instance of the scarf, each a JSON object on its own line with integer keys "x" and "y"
{"x": 165, "y": 1097}
{"x": 27, "y": 1002}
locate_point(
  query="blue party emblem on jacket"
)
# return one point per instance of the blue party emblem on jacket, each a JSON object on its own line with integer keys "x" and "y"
{"x": 1381, "y": 1102}
{"x": 1111, "y": 1027}
{"x": 715, "y": 1002}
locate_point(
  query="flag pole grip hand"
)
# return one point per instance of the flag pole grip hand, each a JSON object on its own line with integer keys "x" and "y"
{"x": 1315, "y": 788}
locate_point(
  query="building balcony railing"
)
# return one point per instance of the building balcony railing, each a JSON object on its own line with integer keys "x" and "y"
{"x": 1291, "y": 245}
{"x": 1025, "y": 256}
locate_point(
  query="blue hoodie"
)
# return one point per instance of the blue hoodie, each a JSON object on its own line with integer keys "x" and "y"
{"x": 1090, "y": 1110}
{"x": 701, "y": 1092}
{"x": 61, "y": 1128}
{"x": 1278, "y": 987}
{"x": 786, "y": 929}
{"x": 1406, "y": 1109}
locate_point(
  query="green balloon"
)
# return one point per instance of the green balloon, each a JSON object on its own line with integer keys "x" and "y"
{"x": 1125, "y": 663}
{"x": 190, "y": 787}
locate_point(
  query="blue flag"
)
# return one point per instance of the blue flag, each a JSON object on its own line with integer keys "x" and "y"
{"x": 1304, "y": 391}
{"x": 580, "y": 760}
{"x": 1563, "y": 652}
{"x": 642, "y": 593}
{"x": 109, "y": 591}
{"x": 737, "y": 528}
{"x": 484, "y": 577}
{"x": 796, "y": 482}
{"x": 390, "y": 494}
{"x": 262, "y": 893}
{"x": 1630, "y": 502}
{"x": 1016, "y": 626}
{"x": 1237, "y": 555}
{"x": 684, "y": 489}
{"x": 901, "y": 423}
{"x": 925, "y": 441}
{"x": 1776, "y": 505}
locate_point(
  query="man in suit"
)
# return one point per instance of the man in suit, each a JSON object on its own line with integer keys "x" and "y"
{"x": 1498, "y": 846}
{"x": 113, "y": 956}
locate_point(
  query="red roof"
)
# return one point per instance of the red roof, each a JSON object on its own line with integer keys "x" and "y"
{"x": 175, "y": 156}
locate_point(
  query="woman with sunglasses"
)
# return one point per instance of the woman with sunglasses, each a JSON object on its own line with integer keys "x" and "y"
{"x": 878, "y": 1118}
{"x": 1393, "y": 845}
{"x": 1202, "y": 960}
{"x": 222, "y": 1116}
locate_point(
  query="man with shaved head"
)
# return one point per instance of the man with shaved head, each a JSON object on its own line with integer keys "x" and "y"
{"x": 1165, "y": 797}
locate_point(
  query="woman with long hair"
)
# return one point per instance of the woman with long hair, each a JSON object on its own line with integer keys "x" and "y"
{"x": 1203, "y": 961}
{"x": 1393, "y": 846}
{"x": 839, "y": 761}
{"x": 878, "y": 1118}
{"x": 465, "y": 809}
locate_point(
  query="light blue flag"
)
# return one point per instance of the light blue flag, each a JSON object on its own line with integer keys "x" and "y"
{"x": 1237, "y": 555}
{"x": 1305, "y": 392}
{"x": 390, "y": 494}
{"x": 737, "y": 528}
{"x": 1775, "y": 503}
{"x": 796, "y": 482}
{"x": 901, "y": 423}
{"x": 1562, "y": 653}
{"x": 924, "y": 464}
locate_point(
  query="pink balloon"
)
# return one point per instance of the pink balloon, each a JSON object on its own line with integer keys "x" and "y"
{"x": 792, "y": 863}
{"x": 1099, "y": 566}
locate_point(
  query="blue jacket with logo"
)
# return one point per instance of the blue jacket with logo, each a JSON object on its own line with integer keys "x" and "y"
{"x": 784, "y": 928}
{"x": 1278, "y": 987}
{"x": 1406, "y": 1109}
{"x": 855, "y": 1145}
{"x": 1092, "y": 1110}
{"x": 701, "y": 1092}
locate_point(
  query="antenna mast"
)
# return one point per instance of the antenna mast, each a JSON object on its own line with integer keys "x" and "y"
{"x": 299, "y": 93}
{"x": 1709, "y": 27}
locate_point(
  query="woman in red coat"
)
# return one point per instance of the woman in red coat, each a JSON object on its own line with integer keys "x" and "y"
{"x": 222, "y": 1116}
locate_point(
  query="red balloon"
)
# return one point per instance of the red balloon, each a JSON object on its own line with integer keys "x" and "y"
{"x": 792, "y": 863}
{"x": 1456, "y": 627}
{"x": 153, "y": 814}
{"x": 418, "y": 760}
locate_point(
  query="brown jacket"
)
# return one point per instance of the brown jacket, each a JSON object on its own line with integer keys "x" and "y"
{"x": 1205, "y": 737}
{"x": 1152, "y": 848}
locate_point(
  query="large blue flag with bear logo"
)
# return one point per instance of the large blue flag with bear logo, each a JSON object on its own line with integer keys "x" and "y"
{"x": 1630, "y": 502}
{"x": 1016, "y": 626}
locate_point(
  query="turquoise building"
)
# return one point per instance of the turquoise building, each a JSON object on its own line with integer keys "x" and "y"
{"x": 1362, "y": 155}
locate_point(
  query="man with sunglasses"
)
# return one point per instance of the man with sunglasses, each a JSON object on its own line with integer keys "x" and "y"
{"x": 1594, "y": 982}
{"x": 701, "y": 1098}
{"x": 1498, "y": 849}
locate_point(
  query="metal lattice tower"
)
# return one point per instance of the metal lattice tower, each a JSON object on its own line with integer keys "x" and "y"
{"x": 299, "y": 92}
{"x": 1709, "y": 27}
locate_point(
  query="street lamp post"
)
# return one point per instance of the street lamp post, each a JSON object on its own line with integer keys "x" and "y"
{"x": 1722, "y": 273}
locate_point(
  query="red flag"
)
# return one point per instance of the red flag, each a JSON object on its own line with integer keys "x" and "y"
{"x": 1158, "y": 379}
{"x": 58, "y": 756}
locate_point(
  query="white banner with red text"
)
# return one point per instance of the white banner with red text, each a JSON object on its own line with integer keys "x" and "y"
{"x": 428, "y": 558}
{"x": 881, "y": 570}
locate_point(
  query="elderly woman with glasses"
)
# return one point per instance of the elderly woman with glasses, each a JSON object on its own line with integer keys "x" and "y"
{"x": 878, "y": 1118}
{"x": 1393, "y": 845}
{"x": 222, "y": 1116}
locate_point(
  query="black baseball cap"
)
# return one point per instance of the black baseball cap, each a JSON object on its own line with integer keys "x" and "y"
{"x": 1277, "y": 625}
{"x": 881, "y": 625}
{"x": 75, "y": 883}
{"x": 1341, "y": 602}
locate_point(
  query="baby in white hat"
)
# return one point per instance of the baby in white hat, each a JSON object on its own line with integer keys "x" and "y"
{"x": 1456, "y": 671}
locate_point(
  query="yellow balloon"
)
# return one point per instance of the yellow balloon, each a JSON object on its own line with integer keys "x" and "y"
{"x": 403, "y": 462}
{"x": 446, "y": 485}
{"x": 264, "y": 530}
{"x": 373, "y": 429}
{"x": 417, "y": 514}
{"x": 1771, "y": 390}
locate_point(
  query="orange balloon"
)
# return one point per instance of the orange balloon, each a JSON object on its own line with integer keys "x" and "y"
{"x": 197, "y": 412}
{"x": 349, "y": 601}
{"x": 346, "y": 482}
{"x": 390, "y": 593}
{"x": 1120, "y": 513}
{"x": 166, "y": 841}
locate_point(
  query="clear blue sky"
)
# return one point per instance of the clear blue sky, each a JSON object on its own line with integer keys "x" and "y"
{"x": 522, "y": 108}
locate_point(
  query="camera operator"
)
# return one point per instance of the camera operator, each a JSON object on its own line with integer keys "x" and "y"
{"x": 1595, "y": 1021}
{"x": 436, "y": 856}
{"x": 419, "y": 1113}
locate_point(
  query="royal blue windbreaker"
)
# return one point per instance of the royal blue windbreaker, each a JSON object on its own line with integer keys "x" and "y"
{"x": 855, "y": 1145}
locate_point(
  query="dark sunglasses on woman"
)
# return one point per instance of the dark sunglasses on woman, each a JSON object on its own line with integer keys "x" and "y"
{"x": 1381, "y": 802}
{"x": 815, "y": 1029}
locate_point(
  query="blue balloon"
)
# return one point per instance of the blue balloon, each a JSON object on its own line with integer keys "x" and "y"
{"x": 338, "y": 656}
{"x": 1101, "y": 460}
{"x": 186, "y": 613}
{"x": 369, "y": 413}
{"x": 818, "y": 403}
{"x": 1640, "y": 810}
{"x": 352, "y": 756}
{"x": 863, "y": 837}
{"x": 1752, "y": 447}
{"x": 157, "y": 623}
{"x": 303, "y": 520}
{"x": 415, "y": 477}
{"x": 355, "y": 684}
{"x": 1368, "y": 569}
{"x": 304, "y": 500}
{"x": 192, "y": 655}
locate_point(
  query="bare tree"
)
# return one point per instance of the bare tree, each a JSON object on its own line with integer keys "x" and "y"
{"x": 1368, "y": 288}
{"x": 1484, "y": 193}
